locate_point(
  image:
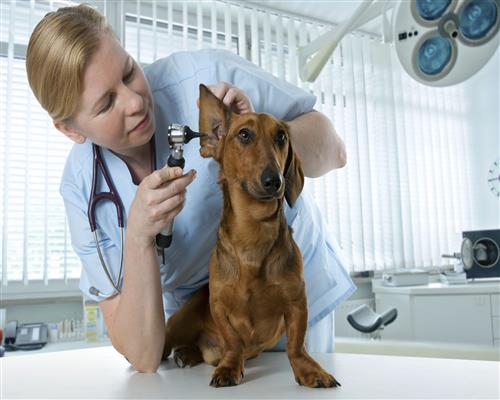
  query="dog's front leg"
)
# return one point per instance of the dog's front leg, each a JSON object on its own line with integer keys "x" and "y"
{"x": 307, "y": 371}
{"x": 229, "y": 371}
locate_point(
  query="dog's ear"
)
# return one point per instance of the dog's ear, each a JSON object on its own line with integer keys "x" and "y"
{"x": 215, "y": 117}
{"x": 294, "y": 176}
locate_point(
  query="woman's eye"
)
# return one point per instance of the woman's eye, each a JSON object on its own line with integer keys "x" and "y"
{"x": 245, "y": 136}
{"x": 281, "y": 137}
{"x": 129, "y": 76}
{"x": 108, "y": 104}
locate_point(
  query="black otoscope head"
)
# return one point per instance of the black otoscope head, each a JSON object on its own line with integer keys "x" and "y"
{"x": 190, "y": 134}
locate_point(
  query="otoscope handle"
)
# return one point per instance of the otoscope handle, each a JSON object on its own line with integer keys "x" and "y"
{"x": 164, "y": 238}
{"x": 174, "y": 162}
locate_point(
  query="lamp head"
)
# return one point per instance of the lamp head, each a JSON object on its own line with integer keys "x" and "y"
{"x": 444, "y": 42}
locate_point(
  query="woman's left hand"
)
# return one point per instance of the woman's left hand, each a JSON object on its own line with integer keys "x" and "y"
{"x": 232, "y": 97}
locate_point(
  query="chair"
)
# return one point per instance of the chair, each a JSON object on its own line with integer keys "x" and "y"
{"x": 368, "y": 322}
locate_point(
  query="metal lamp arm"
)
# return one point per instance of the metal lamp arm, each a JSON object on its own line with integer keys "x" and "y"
{"x": 313, "y": 56}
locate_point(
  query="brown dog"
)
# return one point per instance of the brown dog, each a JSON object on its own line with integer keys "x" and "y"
{"x": 257, "y": 290}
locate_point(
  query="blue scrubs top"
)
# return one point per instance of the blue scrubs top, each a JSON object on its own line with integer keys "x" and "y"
{"x": 174, "y": 82}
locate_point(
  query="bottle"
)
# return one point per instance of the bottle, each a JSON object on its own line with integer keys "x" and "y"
{"x": 91, "y": 320}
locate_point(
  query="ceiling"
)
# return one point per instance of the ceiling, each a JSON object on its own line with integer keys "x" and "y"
{"x": 329, "y": 11}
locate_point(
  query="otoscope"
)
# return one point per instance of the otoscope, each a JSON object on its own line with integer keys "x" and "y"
{"x": 178, "y": 136}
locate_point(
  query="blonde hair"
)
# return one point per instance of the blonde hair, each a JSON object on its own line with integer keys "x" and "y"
{"x": 58, "y": 52}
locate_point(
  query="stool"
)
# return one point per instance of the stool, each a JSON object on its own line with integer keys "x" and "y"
{"x": 367, "y": 321}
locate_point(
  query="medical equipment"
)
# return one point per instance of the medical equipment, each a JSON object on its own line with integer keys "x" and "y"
{"x": 369, "y": 322}
{"x": 444, "y": 42}
{"x": 438, "y": 42}
{"x": 178, "y": 135}
{"x": 114, "y": 197}
{"x": 480, "y": 253}
{"x": 405, "y": 277}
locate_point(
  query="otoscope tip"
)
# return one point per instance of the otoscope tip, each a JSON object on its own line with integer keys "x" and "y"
{"x": 190, "y": 134}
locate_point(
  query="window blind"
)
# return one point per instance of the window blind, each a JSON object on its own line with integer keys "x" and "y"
{"x": 34, "y": 233}
{"x": 399, "y": 202}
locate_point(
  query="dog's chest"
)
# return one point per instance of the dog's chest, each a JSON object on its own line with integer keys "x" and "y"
{"x": 255, "y": 312}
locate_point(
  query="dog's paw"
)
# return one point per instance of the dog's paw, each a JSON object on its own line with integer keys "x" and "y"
{"x": 187, "y": 356}
{"x": 316, "y": 378}
{"x": 166, "y": 352}
{"x": 224, "y": 376}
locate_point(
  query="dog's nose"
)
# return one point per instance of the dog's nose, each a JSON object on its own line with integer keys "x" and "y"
{"x": 271, "y": 181}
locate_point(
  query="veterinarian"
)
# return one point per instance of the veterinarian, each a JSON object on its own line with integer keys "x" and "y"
{"x": 95, "y": 93}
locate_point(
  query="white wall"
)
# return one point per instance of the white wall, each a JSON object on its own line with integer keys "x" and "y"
{"x": 483, "y": 109}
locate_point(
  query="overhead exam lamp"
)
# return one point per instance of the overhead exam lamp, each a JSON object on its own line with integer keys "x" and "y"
{"x": 438, "y": 42}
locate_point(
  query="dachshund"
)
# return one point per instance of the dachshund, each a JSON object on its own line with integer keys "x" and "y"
{"x": 256, "y": 291}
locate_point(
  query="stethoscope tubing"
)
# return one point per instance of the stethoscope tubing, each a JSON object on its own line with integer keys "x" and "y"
{"x": 114, "y": 197}
{"x": 95, "y": 197}
{"x": 103, "y": 262}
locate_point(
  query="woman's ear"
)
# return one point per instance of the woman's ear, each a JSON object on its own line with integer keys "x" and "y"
{"x": 69, "y": 131}
{"x": 215, "y": 118}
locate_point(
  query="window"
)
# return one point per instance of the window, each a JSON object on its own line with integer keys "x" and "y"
{"x": 34, "y": 234}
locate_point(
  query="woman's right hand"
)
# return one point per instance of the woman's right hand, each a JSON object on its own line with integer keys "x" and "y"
{"x": 159, "y": 198}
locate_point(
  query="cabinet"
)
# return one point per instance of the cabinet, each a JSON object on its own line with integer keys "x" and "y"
{"x": 468, "y": 313}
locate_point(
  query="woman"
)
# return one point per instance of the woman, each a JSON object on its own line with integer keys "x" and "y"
{"x": 96, "y": 94}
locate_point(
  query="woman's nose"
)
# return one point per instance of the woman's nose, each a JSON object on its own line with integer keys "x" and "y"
{"x": 134, "y": 102}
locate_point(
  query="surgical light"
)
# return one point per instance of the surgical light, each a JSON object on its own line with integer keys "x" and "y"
{"x": 438, "y": 42}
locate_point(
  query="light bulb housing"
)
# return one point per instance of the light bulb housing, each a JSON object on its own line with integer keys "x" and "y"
{"x": 444, "y": 42}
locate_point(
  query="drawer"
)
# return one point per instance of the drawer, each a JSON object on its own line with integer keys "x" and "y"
{"x": 496, "y": 327}
{"x": 495, "y": 305}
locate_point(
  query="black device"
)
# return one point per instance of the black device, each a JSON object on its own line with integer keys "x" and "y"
{"x": 31, "y": 336}
{"x": 178, "y": 136}
{"x": 481, "y": 253}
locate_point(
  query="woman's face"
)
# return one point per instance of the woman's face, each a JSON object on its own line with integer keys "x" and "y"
{"x": 115, "y": 109}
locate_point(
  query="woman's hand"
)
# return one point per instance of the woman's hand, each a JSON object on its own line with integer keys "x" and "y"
{"x": 159, "y": 198}
{"x": 232, "y": 97}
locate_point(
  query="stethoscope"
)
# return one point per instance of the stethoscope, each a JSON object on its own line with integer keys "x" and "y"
{"x": 113, "y": 196}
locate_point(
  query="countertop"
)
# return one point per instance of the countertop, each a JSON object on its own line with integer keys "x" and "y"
{"x": 104, "y": 373}
{"x": 471, "y": 287}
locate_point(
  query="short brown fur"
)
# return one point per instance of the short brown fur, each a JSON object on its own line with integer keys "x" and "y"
{"x": 256, "y": 283}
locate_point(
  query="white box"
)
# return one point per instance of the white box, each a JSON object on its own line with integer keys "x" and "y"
{"x": 410, "y": 277}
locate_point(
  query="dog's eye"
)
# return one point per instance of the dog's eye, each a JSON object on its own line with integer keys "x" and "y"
{"x": 281, "y": 137}
{"x": 245, "y": 136}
